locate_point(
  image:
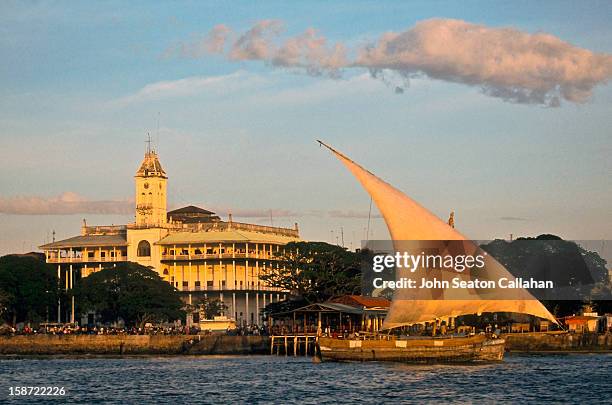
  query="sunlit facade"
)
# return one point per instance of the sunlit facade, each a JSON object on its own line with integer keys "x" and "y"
{"x": 191, "y": 248}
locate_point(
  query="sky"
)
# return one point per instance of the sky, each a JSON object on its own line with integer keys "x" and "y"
{"x": 499, "y": 111}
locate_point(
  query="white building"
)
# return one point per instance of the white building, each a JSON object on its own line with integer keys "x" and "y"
{"x": 191, "y": 248}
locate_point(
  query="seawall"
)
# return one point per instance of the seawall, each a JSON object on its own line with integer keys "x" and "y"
{"x": 132, "y": 344}
{"x": 229, "y": 345}
{"x": 558, "y": 342}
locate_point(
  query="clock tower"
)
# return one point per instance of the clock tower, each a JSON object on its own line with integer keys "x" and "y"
{"x": 151, "y": 183}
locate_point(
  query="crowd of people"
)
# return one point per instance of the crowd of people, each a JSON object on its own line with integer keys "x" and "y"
{"x": 73, "y": 329}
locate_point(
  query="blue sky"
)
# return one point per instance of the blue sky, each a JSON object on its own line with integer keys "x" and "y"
{"x": 79, "y": 89}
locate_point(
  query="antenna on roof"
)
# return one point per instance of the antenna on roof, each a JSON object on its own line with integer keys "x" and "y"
{"x": 148, "y": 142}
{"x": 157, "y": 135}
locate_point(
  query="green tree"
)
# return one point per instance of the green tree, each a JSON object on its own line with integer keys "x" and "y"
{"x": 583, "y": 274}
{"x": 211, "y": 307}
{"x": 5, "y": 300}
{"x": 315, "y": 271}
{"x": 131, "y": 292}
{"x": 28, "y": 289}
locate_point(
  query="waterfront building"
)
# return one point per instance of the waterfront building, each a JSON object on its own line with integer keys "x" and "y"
{"x": 352, "y": 313}
{"x": 191, "y": 248}
{"x": 581, "y": 323}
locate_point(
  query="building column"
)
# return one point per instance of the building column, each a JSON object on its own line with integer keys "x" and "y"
{"x": 234, "y": 287}
{"x": 72, "y": 295}
{"x": 257, "y": 309}
{"x": 246, "y": 275}
{"x": 205, "y": 275}
{"x": 189, "y": 317}
{"x": 256, "y": 278}
{"x": 235, "y": 312}
{"x": 59, "y": 281}
{"x": 175, "y": 281}
{"x": 248, "y": 314}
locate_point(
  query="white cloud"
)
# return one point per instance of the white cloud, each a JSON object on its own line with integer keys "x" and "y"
{"x": 504, "y": 62}
{"x": 193, "y": 85}
{"x": 65, "y": 203}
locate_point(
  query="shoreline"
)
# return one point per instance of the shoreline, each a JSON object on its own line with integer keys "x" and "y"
{"x": 90, "y": 346}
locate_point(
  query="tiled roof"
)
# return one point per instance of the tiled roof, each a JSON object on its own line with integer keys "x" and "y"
{"x": 363, "y": 301}
{"x": 89, "y": 240}
{"x": 190, "y": 209}
{"x": 150, "y": 166}
{"x": 224, "y": 236}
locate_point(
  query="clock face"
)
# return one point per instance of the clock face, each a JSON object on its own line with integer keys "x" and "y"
{"x": 146, "y": 185}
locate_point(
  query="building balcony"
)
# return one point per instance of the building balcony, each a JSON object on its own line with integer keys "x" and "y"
{"x": 62, "y": 260}
{"x": 227, "y": 289}
{"x": 213, "y": 256}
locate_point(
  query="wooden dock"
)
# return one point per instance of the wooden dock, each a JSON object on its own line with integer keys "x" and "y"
{"x": 299, "y": 345}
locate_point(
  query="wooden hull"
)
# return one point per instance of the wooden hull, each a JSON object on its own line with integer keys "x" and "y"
{"x": 477, "y": 348}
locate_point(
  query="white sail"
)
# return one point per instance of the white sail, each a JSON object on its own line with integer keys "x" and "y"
{"x": 409, "y": 221}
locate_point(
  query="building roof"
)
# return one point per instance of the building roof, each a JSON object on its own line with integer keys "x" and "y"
{"x": 190, "y": 209}
{"x": 150, "y": 166}
{"x": 580, "y": 319}
{"x": 224, "y": 236}
{"x": 329, "y": 307}
{"x": 363, "y": 301}
{"x": 87, "y": 241}
{"x": 192, "y": 214}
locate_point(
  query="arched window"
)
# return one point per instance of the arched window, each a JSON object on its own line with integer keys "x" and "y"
{"x": 144, "y": 249}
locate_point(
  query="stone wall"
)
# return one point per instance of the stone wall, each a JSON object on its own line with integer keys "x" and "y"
{"x": 133, "y": 344}
{"x": 557, "y": 341}
{"x": 222, "y": 344}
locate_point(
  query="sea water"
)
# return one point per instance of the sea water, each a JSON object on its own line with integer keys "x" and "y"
{"x": 574, "y": 378}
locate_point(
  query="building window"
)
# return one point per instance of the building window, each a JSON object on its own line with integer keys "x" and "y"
{"x": 144, "y": 249}
{"x": 165, "y": 271}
